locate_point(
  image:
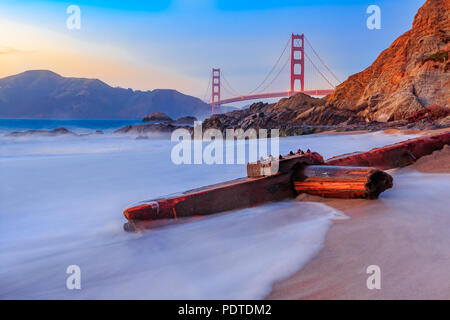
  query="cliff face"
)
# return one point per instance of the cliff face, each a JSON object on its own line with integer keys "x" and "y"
{"x": 411, "y": 74}
{"x": 408, "y": 85}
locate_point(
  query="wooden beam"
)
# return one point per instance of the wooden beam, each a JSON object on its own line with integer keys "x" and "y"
{"x": 341, "y": 182}
{"x": 231, "y": 195}
{"x": 283, "y": 177}
{"x": 393, "y": 156}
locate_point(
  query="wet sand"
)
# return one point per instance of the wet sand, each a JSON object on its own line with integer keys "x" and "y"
{"x": 437, "y": 162}
{"x": 406, "y": 232}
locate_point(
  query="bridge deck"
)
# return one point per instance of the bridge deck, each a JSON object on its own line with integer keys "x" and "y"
{"x": 274, "y": 95}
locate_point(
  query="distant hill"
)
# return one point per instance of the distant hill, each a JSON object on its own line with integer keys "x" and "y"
{"x": 45, "y": 94}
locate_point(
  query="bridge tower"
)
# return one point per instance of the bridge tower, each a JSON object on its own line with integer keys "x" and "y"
{"x": 215, "y": 86}
{"x": 298, "y": 59}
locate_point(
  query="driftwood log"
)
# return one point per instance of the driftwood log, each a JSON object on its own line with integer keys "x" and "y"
{"x": 235, "y": 194}
{"x": 286, "y": 176}
{"x": 396, "y": 155}
{"x": 341, "y": 182}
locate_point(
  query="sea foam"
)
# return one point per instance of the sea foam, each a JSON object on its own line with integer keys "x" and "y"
{"x": 61, "y": 203}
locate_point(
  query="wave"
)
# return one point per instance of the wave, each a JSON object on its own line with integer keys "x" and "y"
{"x": 61, "y": 202}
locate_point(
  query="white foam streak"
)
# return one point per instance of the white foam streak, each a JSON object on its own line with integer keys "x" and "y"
{"x": 61, "y": 203}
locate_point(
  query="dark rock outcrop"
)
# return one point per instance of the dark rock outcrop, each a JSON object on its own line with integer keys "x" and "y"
{"x": 297, "y": 115}
{"x": 189, "y": 120}
{"x": 157, "y": 117}
{"x": 50, "y": 133}
{"x": 46, "y": 133}
{"x": 151, "y": 129}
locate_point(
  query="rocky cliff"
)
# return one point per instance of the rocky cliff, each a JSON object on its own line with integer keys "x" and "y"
{"x": 297, "y": 115}
{"x": 408, "y": 82}
{"x": 411, "y": 74}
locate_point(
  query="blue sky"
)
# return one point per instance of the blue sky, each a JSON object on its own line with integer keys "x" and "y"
{"x": 174, "y": 44}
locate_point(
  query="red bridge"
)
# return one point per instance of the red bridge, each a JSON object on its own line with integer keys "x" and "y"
{"x": 296, "y": 58}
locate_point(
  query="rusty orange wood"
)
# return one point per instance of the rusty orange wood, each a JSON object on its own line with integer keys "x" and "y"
{"x": 394, "y": 156}
{"x": 236, "y": 194}
{"x": 341, "y": 182}
{"x": 263, "y": 185}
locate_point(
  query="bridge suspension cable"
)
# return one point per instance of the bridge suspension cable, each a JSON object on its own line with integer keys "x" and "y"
{"x": 273, "y": 68}
{"x": 228, "y": 87}
{"x": 320, "y": 59}
{"x": 317, "y": 69}
{"x": 225, "y": 89}
{"x": 207, "y": 92}
{"x": 298, "y": 46}
{"x": 279, "y": 72}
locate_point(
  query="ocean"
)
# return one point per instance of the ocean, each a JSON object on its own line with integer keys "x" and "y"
{"x": 80, "y": 126}
{"x": 61, "y": 203}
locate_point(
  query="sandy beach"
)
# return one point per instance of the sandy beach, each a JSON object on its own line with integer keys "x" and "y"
{"x": 410, "y": 243}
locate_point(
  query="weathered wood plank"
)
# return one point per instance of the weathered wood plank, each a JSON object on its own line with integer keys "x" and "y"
{"x": 394, "y": 156}
{"x": 236, "y": 194}
{"x": 282, "y": 178}
{"x": 341, "y": 182}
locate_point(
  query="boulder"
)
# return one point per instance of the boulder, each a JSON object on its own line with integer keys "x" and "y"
{"x": 157, "y": 117}
{"x": 46, "y": 133}
{"x": 186, "y": 120}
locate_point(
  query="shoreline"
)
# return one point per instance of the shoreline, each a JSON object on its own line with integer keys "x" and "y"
{"x": 409, "y": 243}
{"x": 146, "y": 130}
{"x": 388, "y": 131}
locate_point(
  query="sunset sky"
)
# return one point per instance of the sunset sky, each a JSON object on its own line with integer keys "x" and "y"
{"x": 174, "y": 44}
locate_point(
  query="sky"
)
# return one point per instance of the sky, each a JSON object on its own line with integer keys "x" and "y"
{"x": 174, "y": 44}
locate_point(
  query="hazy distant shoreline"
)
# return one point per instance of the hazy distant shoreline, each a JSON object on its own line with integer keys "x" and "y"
{"x": 76, "y": 127}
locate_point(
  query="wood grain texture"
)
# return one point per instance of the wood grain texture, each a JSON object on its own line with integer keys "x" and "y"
{"x": 394, "y": 156}
{"x": 341, "y": 182}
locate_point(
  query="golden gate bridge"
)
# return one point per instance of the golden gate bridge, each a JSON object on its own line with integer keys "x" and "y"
{"x": 296, "y": 45}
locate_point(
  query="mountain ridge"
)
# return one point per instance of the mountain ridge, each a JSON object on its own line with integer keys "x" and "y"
{"x": 46, "y": 94}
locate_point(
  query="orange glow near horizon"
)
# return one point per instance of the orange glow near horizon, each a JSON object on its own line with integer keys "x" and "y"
{"x": 32, "y": 48}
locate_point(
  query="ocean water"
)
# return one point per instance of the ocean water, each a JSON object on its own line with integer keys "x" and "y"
{"x": 79, "y": 126}
{"x": 61, "y": 202}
